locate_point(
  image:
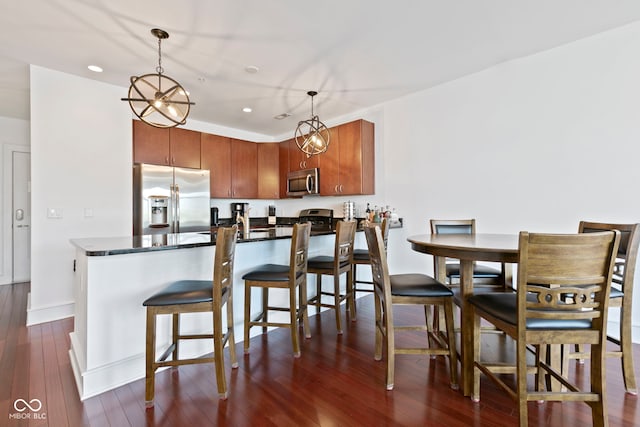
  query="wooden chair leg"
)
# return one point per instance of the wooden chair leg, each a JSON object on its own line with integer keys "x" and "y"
{"x": 293, "y": 320}
{"x": 378, "y": 323}
{"x": 218, "y": 355}
{"x": 521, "y": 383}
{"x": 453, "y": 357}
{"x": 475, "y": 392}
{"x": 389, "y": 338}
{"x": 598, "y": 385}
{"x": 264, "y": 317}
{"x": 231, "y": 333}
{"x": 318, "y": 299}
{"x": 175, "y": 332}
{"x": 150, "y": 357}
{"x": 336, "y": 302}
{"x": 247, "y": 315}
{"x": 626, "y": 346}
{"x": 302, "y": 308}
{"x": 351, "y": 296}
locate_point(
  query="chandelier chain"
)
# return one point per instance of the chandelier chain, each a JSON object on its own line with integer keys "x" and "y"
{"x": 159, "y": 68}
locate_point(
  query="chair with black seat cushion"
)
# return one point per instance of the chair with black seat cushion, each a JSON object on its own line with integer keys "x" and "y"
{"x": 621, "y": 297}
{"x": 361, "y": 257}
{"x": 482, "y": 275}
{"x": 335, "y": 266}
{"x": 407, "y": 289}
{"x": 194, "y": 296}
{"x": 292, "y": 277}
{"x": 552, "y": 267}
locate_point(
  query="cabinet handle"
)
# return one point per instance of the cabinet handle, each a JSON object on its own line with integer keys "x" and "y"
{"x": 335, "y": 189}
{"x": 341, "y": 188}
{"x": 173, "y": 160}
{"x": 166, "y": 160}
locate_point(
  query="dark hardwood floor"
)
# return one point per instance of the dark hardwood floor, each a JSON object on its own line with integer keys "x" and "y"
{"x": 336, "y": 382}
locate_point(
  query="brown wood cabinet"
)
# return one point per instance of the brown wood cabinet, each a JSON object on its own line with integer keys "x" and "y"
{"x": 172, "y": 147}
{"x": 284, "y": 167}
{"x": 268, "y": 171}
{"x": 298, "y": 160}
{"x": 348, "y": 165}
{"x": 216, "y": 157}
{"x": 244, "y": 169}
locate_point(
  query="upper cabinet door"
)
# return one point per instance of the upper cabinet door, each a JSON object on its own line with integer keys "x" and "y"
{"x": 268, "y": 171}
{"x": 150, "y": 144}
{"x": 244, "y": 169}
{"x": 330, "y": 166}
{"x": 298, "y": 160}
{"x": 216, "y": 157}
{"x": 357, "y": 158}
{"x": 185, "y": 148}
{"x": 284, "y": 167}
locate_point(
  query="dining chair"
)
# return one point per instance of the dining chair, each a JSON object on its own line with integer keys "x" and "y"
{"x": 407, "y": 289}
{"x": 550, "y": 268}
{"x": 361, "y": 257}
{"x": 335, "y": 266}
{"x": 194, "y": 296}
{"x": 621, "y": 297}
{"x": 292, "y": 277}
{"x": 483, "y": 275}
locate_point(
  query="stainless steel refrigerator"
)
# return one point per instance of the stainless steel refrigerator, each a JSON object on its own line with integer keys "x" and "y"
{"x": 170, "y": 200}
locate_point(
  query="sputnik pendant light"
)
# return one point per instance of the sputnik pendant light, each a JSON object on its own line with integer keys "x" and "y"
{"x": 312, "y": 136}
{"x": 157, "y": 99}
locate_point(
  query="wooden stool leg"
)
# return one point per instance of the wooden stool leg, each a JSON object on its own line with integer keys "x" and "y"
{"x": 598, "y": 385}
{"x": 351, "y": 295}
{"x": 302, "y": 307}
{"x": 451, "y": 342}
{"x": 318, "y": 292}
{"x": 150, "y": 358}
{"x": 293, "y": 320}
{"x": 175, "y": 331}
{"x": 265, "y": 308}
{"x": 336, "y": 302}
{"x": 626, "y": 347}
{"x": 231, "y": 333}
{"x": 218, "y": 354}
{"x": 247, "y": 315}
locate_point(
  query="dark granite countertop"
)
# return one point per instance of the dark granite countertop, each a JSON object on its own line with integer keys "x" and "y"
{"x": 103, "y": 246}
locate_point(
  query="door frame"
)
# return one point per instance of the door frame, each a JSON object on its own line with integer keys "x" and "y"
{"x": 6, "y": 235}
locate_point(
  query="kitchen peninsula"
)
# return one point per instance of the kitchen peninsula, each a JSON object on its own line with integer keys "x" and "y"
{"x": 113, "y": 276}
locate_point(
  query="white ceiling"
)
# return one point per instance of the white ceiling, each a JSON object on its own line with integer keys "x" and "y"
{"x": 355, "y": 53}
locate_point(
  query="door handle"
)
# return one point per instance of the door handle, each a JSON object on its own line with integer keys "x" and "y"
{"x": 19, "y": 214}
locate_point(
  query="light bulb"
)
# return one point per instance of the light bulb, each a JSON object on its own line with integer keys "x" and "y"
{"x": 172, "y": 111}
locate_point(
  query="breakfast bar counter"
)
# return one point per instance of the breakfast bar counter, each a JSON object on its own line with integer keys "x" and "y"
{"x": 113, "y": 276}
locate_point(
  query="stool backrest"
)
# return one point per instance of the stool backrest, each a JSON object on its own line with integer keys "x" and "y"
{"x": 566, "y": 277}
{"x": 379, "y": 269}
{"x": 345, "y": 236}
{"x": 300, "y": 250}
{"x": 223, "y": 261}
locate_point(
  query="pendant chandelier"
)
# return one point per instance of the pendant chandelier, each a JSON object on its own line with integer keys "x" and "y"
{"x": 157, "y": 99}
{"x": 312, "y": 136}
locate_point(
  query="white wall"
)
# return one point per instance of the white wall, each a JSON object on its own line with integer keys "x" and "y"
{"x": 534, "y": 144}
{"x": 81, "y": 160}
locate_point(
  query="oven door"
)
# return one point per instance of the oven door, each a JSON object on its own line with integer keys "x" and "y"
{"x": 303, "y": 182}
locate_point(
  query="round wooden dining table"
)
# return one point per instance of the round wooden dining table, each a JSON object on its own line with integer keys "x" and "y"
{"x": 468, "y": 248}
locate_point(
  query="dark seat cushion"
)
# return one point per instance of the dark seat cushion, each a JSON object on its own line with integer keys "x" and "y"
{"x": 269, "y": 273}
{"x": 182, "y": 292}
{"x": 481, "y": 271}
{"x": 417, "y": 285}
{"x": 504, "y": 306}
{"x": 361, "y": 255}
{"x": 323, "y": 262}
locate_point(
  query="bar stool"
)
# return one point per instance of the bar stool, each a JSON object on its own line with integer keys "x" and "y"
{"x": 193, "y": 296}
{"x": 361, "y": 257}
{"x": 292, "y": 277}
{"x": 407, "y": 289}
{"x": 334, "y": 266}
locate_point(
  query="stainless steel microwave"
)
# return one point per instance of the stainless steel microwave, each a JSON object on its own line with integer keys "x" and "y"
{"x": 303, "y": 182}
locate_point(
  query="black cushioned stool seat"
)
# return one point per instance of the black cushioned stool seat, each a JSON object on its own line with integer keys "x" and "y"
{"x": 361, "y": 255}
{"x": 417, "y": 285}
{"x": 269, "y": 272}
{"x": 183, "y": 292}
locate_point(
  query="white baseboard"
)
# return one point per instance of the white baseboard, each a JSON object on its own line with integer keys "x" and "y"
{"x": 48, "y": 314}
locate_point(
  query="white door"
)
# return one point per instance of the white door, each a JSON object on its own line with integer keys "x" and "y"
{"x": 21, "y": 217}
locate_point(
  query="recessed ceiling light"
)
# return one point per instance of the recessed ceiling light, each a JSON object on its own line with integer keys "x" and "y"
{"x": 247, "y": 109}
{"x": 282, "y": 116}
{"x": 95, "y": 68}
{"x": 251, "y": 69}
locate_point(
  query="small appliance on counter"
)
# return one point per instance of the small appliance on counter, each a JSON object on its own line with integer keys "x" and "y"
{"x": 271, "y": 220}
{"x": 238, "y": 209}
{"x": 348, "y": 211}
{"x": 215, "y": 219}
{"x": 320, "y": 219}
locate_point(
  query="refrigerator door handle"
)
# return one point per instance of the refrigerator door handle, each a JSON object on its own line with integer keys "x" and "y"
{"x": 176, "y": 192}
